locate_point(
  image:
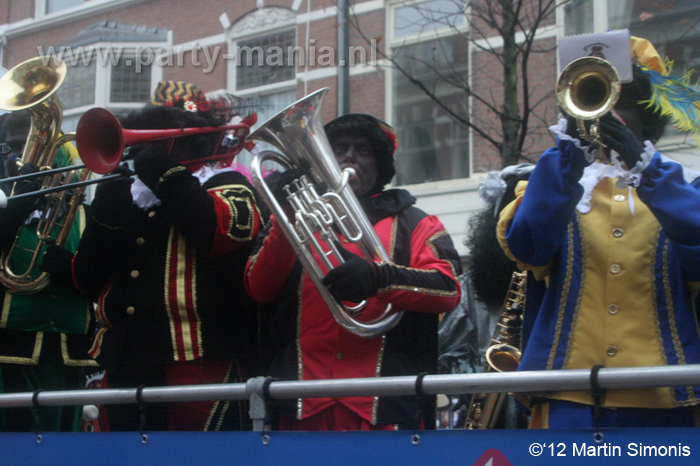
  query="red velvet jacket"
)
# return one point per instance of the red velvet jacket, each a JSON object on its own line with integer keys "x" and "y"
{"x": 312, "y": 346}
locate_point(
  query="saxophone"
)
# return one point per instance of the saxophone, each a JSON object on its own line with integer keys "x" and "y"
{"x": 503, "y": 355}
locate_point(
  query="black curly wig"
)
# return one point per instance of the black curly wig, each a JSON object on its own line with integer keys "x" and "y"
{"x": 12, "y": 121}
{"x": 633, "y": 94}
{"x": 165, "y": 117}
{"x": 490, "y": 268}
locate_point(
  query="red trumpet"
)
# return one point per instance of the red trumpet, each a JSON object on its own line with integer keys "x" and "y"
{"x": 101, "y": 140}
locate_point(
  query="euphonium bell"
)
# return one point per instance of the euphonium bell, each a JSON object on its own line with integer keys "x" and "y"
{"x": 297, "y": 132}
{"x": 587, "y": 89}
{"x": 31, "y": 86}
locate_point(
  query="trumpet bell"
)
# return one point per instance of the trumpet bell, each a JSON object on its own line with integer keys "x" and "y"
{"x": 31, "y": 82}
{"x": 100, "y": 140}
{"x": 588, "y": 88}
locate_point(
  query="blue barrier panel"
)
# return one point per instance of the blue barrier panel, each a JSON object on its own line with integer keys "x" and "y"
{"x": 448, "y": 447}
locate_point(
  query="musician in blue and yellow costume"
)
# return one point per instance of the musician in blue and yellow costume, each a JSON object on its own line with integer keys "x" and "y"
{"x": 44, "y": 335}
{"x": 619, "y": 247}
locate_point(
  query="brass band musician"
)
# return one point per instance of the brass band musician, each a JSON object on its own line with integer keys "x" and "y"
{"x": 163, "y": 257}
{"x": 310, "y": 344}
{"x": 45, "y": 334}
{"x": 619, "y": 247}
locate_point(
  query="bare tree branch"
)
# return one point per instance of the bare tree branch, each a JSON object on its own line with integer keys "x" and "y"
{"x": 505, "y": 31}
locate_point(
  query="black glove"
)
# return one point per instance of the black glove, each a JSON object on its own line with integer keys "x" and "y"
{"x": 278, "y": 180}
{"x": 622, "y": 140}
{"x": 151, "y": 163}
{"x": 113, "y": 199}
{"x": 57, "y": 261}
{"x": 117, "y": 191}
{"x": 19, "y": 209}
{"x": 355, "y": 280}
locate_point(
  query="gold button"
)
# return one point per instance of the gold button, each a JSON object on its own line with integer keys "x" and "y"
{"x": 613, "y": 309}
{"x": 134, "y": 274}
{"x": 619, "y": 197}
{"x": 618, "y": 232}
{"x": 140, "y": 241}
{"x": 615, "y": 269}
{"x": 339, "y": 355}
{"x": 611, "y": 351}
{"x": 152, "y": 213}
{"x": 130, "y": 310}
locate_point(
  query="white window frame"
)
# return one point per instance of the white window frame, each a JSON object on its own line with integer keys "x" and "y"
{"x": 242, "y": 29}
{"x": 41, "y": 7}
{"x": 418, "y": 37}
{"x": 681, "y": 142}
{"x": 87, "y": 7}
{"x": 448, "y": 185}
{"x": 103, "y": 76}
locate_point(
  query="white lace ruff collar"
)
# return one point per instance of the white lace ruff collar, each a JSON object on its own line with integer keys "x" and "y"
{"x": 596, "y": 171}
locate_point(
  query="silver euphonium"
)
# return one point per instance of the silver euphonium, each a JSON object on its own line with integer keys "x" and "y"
{"x": 297, "y": 132}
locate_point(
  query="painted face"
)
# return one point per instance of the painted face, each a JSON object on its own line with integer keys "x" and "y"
{"x": 357, "y": 153}
{"x": 15, "y": 140}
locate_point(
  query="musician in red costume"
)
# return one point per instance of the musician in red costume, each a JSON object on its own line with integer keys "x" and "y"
{"x": 164, "y": 257}
{"x": 310, "y": 344}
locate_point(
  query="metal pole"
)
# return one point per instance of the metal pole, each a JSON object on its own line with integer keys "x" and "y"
{"x": 343, "y": 57}
{"x": 454, "y": 384}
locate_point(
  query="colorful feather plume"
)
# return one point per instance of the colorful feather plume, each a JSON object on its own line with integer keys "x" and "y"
{"x": 675, "y": 98}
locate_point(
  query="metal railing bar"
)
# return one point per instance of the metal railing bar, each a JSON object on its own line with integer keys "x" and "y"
{"x": 452, "y": 384}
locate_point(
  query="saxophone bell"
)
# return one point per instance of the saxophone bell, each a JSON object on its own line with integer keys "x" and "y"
{"x": 502, "y": 356}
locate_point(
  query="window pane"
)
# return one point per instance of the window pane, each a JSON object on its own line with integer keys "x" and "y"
{"x": 428, "y": 16}
{"x": 432, "y": 147}
{"x": 78, "y": 89}
{"x": 70, "y": 123}
{"x": 265, "y": 60}
{"x": 130, "y": 83}
{"x": 56, "y": 5}
{"x": 671, "y": 25}
{"x": 267, "y": 106}
{"x": 578, "y": 17}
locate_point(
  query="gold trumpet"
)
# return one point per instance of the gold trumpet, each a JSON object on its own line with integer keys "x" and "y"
{"x": 31, "y": 86}
{"x": 587, "y": 89}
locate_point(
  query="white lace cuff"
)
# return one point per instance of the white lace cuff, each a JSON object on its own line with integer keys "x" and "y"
{"x": 633, "y": 177}
{"x": 559, "y": 130}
